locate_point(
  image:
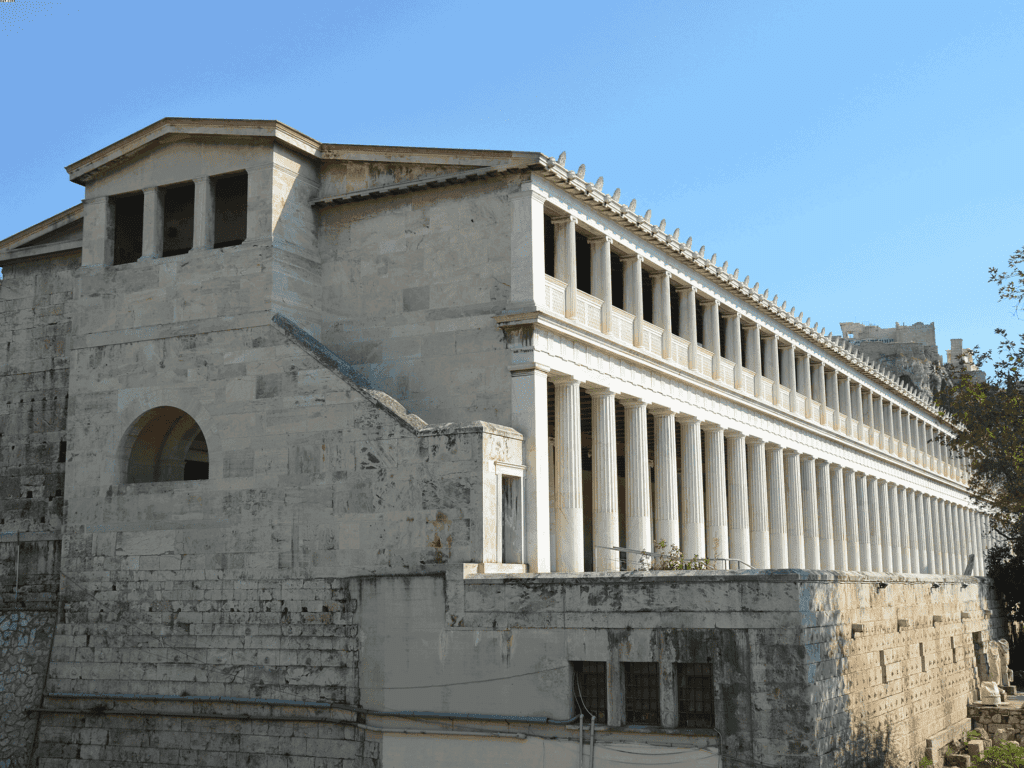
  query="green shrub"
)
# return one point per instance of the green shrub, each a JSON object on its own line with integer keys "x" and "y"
{"x": 1002, "y": 756}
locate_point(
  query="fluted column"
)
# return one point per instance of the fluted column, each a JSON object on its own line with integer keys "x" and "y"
{"x": 662, "y": 296}
{"x": 753, "y": 342}
{"x": 884, "y": 531}
{"x": 897, "y": 529}
{"x": 840, "y": 535}
{"x": 152, "y": 223}
{"x": 638, "y": 480}
{"x": 666, "y": 486}
{"x": 772, "y": 366}
{"x": 979, "y": 527}
{"x": 739, "y": 513}
{"x": 826, "y": 541}
{"x": 633, "y": 294}
{"x": 757, "y": 484}
{"x": 565, "y": 259}
{"x": 937, "y": 546}
{"x": 693, "y": 544}
{"x": 866, "y": 527}
{"x": 717, "y": 511}
{"x": 605, "y": 478}
{"x": 953, "y": 544}
{"x": 943, "y": 528}
{"x": 809, "y": 507}
{"x": 713, "y": 339}
{"x": 908, "y": 523}
{"x": 568, "y": 478}
{"x": 965, "y": 533}
{"x": 203, "y": 214}
{"x": 924, "y": 532}
{"x": 688, "y": 321}
{"x": 779, "y": 546}
{"x": 601, "y": 281}
{"x": 853, "y": 546}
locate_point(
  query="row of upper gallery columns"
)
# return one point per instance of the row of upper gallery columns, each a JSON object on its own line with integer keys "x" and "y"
{"x": 625, "y": 473}
{"x": 728, "y": 347}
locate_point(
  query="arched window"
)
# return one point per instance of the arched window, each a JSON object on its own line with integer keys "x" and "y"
{"x": 165, "y": 444}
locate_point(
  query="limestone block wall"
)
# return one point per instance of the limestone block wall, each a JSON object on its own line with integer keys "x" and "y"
{"x": 411, "y": 285}
{"x": 25, "y": 640}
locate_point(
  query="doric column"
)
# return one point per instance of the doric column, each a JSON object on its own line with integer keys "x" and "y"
{"x": 794, "y": 510}
{"x": 752, "y": 339}
{"x": 898, "y": 530}
{"x": 959, "y": 538}
{"x": 739, "y": 513}
{"x": 853, "y": 548}
{"x": 868, "y": 533}
{"x": 832, "y": 395}
{"x": 568, "y": 477}
{"x": 693, "y": 544}
{"x": 953, "y": 542}
{"x": 979, "y": 536}
{"x": 666, "y": 485}
{"x": 734, "y": 348}
{"x": 924, "y": 533}
{"x": 565, "y": 259}
{"x": 633, "y": 294}
{"x": 965, "y": 527}
{"x": 779, "y": 546}
{"x": 803, "y": 376}
{"x": 947, "y": 535}
{"x": 941, "y": 536}
{"x": 789, "y": 374}
{"x": 809, "y": 506}
{"x": 914, "y": 450}
{"x": 772, "y": 366}
{"x": 717, "y": 511}
{"x": 826, "y": 538}
{"x": 638, "y": 480}
{"x": 839, "y": 533}
{"x": 601, "y": 280}
{"x": 688, "y": 320}
{"x": 884, "y": 533}
{"x": 937, "y": 545}
{"x": 530, "y": 418}
{"x": 605, "y": 477}
{"x": 857, "y": 401}
{"x": 757, "y": 484}
{"x": 202, "y": 214}
{"x": 712, "y": 338}
{"x": 152, "y": 223}
{"x": 908, "y": 528}
{"x": 661, "y": 294}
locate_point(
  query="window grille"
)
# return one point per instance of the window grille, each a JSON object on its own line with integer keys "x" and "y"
{"x": 590, "y": 690}
{"x": 643, "y": 696}
{"x": 696, "y": 696}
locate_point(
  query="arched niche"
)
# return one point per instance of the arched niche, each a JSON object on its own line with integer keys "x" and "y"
{"x": 164, "y": 444}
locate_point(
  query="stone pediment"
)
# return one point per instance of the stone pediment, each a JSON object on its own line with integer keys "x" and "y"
{"x": 58, "y": 233}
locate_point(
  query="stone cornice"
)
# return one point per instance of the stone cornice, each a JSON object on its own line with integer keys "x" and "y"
{"x": 45, "y": 227}
{"x": 593, "y": 194}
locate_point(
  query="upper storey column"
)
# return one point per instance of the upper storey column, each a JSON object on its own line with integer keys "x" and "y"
{"x": 633, "y": 295}
{"x": 857, "y": 401}
{"x": 922, "y": 443}
{"x": 662, "y": 310}
{"x": 757, "y": 484}
{"x": 565, "y": 259}
{"x": 568, "y": 478}
{"x": 203, "y": 214}
{"x": 688, "y": 320}
{"x": 666, "y": 486}
{"x": 712, "y": 336}
{"x": 818, "y": 388}
{"x": 844, "y": 403}
{"x": 152, "y": 223}
{"x": 869, "y": 415}
{"x": 527, "y": 291}
{"x": 733, "y": 348}
{"x": 788, "y": 374}
{"x": 832, "y": 395}
{"x": 772, "y": 366}
{"x": 693, "y": 491}
{"x": 803, "y": 376}
{"x": 897, "y": 424}
{"x": 739, "y": 514}
{"x": 717, "y": 511}
{"x": 601, "y": 269}
{"x": 638, "y": 480}
{"x": 605, "y": 477}
{"x": 530, "y": 417}
{"x": 752, "y": 339}
{"x": 98, "y": 232}
{"x": 777, "y": 506}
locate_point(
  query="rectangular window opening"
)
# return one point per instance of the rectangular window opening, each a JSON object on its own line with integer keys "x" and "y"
{"x": 643, "y": 693}
{"x": 583, "y": 278}
{"x": 590, "y": 690}
{"x": 231, "y": 204}
{"x": 647, "y": 295}
{"x": 700, "y": 324}
{"x": 618, "y": 283}
{"x": 549, "y": 246}
{"x": 674, "y": 311}
{"x": 179, "y": 213}
{"x": 62, "y": 454}
{"x": 744, "y": 352}
{"x": 511, "y": 519}
{"x": 696, "y": 691}
{"x": 128, "y": 228}
{"x": 723, "y": 334}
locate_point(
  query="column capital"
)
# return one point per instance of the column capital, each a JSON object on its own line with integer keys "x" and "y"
{"x": 688, "y": 419}
{"x": 563, "y": 379}
{"x": 754, "y": 440}
{"x": 790, "y": 452}
{"x": 660, "y": 410}
{"x": 710, "y": 426}
{"x": 734, "y": 433}
{"x": 595, "y": 239}
{"x": 632, "y": 402}
{"x": 808, "y": 457}
{"x": 600, "y": 391}
{"x": 564, "y": 218}
{"x": 773, "y": 448}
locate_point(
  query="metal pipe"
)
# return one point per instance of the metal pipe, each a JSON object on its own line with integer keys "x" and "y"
{"x": 496, "y": 734}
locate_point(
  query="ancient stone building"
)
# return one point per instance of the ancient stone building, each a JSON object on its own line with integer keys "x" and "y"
{"x": 227, "y": 539}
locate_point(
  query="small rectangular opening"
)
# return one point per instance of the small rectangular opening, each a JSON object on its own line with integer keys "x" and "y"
{"x": 583, "y": 278}
{"x": 696, "y": 692}
{"x": 924, "y": 663}
{"x": 231, "y": 205}
{"x": 700, "y": 324}
{"x": 590, "y": 690}
{"x": 511, "y": 519}
{"x": 723, "y": 334}
{"x": 952, "y": 647}
{"x": 643, "y": 693}
{"x": 674, "y": 311}
{"x": 128, "y": 228}
{"x": 618, "y": 283}
{"x": 62, "y": 454}
{"x": 647, "y": 295}
{"x": 179, "y": 213}
{"x": 549, "y": 246}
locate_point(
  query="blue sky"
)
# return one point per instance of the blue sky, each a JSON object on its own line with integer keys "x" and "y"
{"x": 864, "y": 160}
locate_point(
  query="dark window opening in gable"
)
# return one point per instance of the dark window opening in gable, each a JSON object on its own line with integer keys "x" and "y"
{"x": 231, "y": 204}
{"x": 128, "y": 228}
{"x": 179, "y": 213}
{"x": 590, "y": 690}
{"x": 643, "y": 693}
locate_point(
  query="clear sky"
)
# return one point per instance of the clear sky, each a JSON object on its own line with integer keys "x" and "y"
{"x": 864, "y": 160}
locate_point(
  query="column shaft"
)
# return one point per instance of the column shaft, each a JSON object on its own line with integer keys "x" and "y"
{"x": 605, "y": 477}
{"x": 662, "y": 297}
{"x": 924, "y": 531}
{"x": 884, "y": 532}
{"x": 203, "y": 214}
{"x": 809, "y": 507}
{"x": 868, "y": 532}
{"x": 826, "y": 537}
{"x": 739, "y": 513}
{"x": 601, "y": 281}
{"x": 568, "y": 478}
{"x": 530, "y": 418}
{"x": 638, "y": 481}
{"x": 713, "y": 337}
{"x": 688, "y": 321}
{"x": 757, "y": 483}
{"x": 753, "y": 342}
{"x": 898, "y": 530}
{"x": 693, "y": 544}
{"x": 840, "y": 535}
{"x": 911, "y": 555}
{"x": 717, "y": 515}
{"x": 853, "y": 518}
{"x": 152, "y": 223}
{"x": 666, "y": 486}
{"x": 633, "y": 296}
{"x": 777, "y": 507}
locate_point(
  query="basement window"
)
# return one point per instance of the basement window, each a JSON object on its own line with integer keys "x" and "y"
{"x": 179, "y": 213}
{"x": 231, "y": 203}
{"x": 696, "y": 691}
{"x": 128, "y": 229}
{"x": 643, "y": 693}
{"x": 590, "y": 690}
